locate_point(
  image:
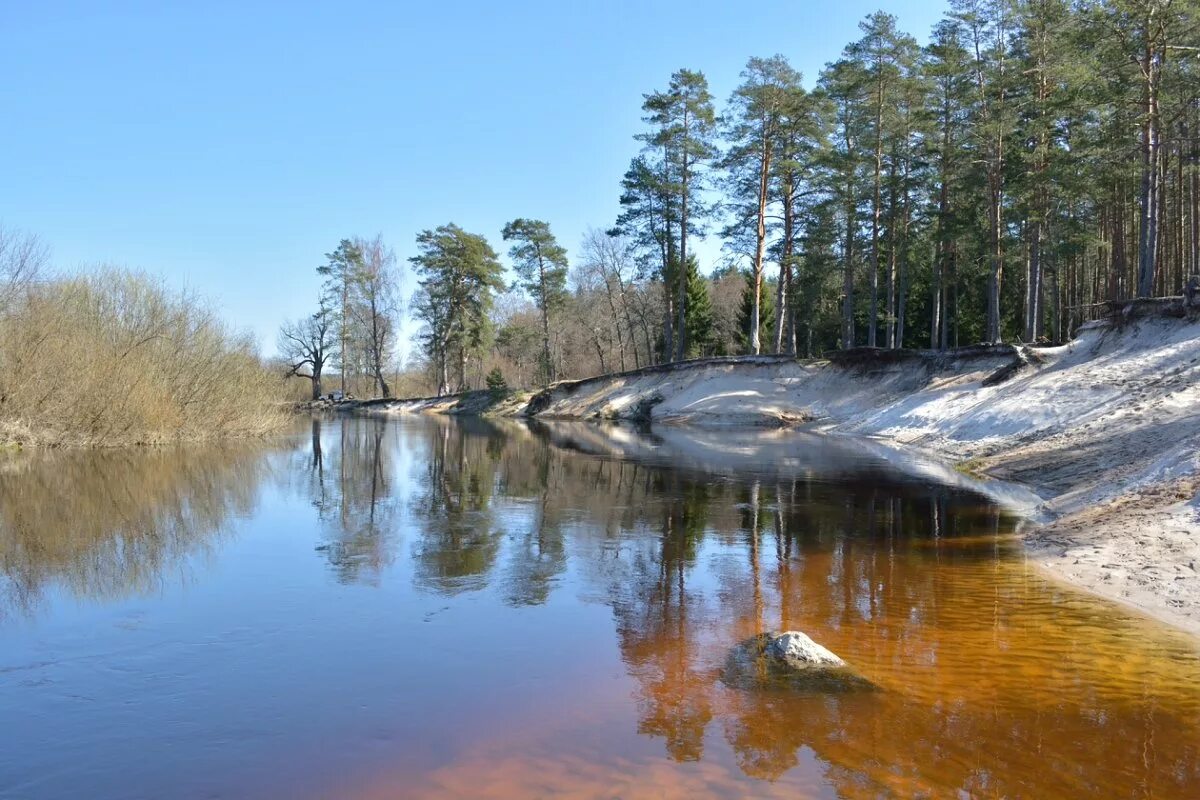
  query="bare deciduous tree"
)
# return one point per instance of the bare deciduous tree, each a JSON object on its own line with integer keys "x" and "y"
{"x": 23, "y": 256}
{"x": 377, "y": 306}
{"x": 606, "y": 259}
{"x": 307, "y": 346}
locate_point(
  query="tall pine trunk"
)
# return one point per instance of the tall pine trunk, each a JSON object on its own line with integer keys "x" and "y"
{"x": 876, "y": 211}
{"x": 1149, "y": 189}
{"x": 681, "y": 277}
{"x": 760, "y": 241}
{"x": 848, "y": 276}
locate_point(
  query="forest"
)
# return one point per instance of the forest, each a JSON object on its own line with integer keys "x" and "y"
{"x": 1031, "y": 162}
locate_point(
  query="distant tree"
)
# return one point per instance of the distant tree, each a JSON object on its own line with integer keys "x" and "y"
{"x": 541, "y": 266}
{"x": 375, "y": 305}
{"x": 459, "y": 274}
{"x": 306, "y": 347}
{"x": 518, "y": 341}
{"x": 340, "y": 271}
{"x": 797, "y": 186}
{"x": 607, "y": 258}
{"x": 946, "y": 70}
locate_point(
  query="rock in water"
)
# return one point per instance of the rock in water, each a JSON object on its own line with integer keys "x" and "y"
{"x": 789, "y": 661}
{"x": 797, "y": 650}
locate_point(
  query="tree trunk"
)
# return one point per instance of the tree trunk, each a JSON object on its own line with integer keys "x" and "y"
{"x": 1148, "y": 233}
{"x": 616, "y": 321}
{"x": 760, "y": 240}
{"x": 444, "y": 377}
{"x": 1056, "y": 311}
{"x": 848, "y": 278}
{"x": 889, "y": 312}
{"x": 938, "y": 327}
{"x": 681, "y": 277}
{"x": 785, "y": 299}
{"x": 344, "y": 353}
{"x": 997, "y": 259}
{"x": 316, "y": 384}
{"x": 902, "y": 299}
{"x": 545, "y": 304}
{"x": 384, "y": 389}
{"x": 876, "y": 211}
{"x": 936, "y": 295}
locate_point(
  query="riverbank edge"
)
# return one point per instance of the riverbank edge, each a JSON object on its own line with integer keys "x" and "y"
{"x": 1123, "y": 524}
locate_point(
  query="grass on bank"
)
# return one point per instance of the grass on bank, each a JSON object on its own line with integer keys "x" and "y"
{"x": 116, "y": 358}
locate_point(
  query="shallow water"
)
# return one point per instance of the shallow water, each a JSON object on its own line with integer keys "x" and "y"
{"x": 430, "y": 608}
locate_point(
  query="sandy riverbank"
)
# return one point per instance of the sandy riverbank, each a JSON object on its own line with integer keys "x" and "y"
{"x": 1105, "y": 429}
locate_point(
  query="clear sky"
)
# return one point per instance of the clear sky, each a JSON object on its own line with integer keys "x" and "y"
{"x": 227, "y": 146}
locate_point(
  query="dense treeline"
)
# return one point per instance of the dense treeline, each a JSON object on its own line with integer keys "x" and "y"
{"x": 1033, "y": 160}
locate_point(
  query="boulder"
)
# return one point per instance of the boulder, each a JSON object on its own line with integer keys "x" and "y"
{"x": 789, "y": 661}
{"x": 798, "y": 651}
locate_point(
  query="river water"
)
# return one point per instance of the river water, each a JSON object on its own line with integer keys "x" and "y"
{"x": 423, "y": 607}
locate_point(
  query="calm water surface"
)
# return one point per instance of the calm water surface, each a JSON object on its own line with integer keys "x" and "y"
{"x": 430, "y": 608}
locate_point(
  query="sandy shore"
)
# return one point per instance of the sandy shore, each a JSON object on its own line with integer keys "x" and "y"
{"x": 1141, "y": 550}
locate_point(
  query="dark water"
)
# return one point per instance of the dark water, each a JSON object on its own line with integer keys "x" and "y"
{"x": 427, "y": 608}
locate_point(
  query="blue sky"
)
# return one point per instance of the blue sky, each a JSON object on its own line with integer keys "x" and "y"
{"x": 227, "y": 146}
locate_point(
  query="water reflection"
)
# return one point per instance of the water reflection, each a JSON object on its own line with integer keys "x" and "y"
{"x": 992, "y": 682}
{"x": 351, "y": 487}
{"x": 995, "y": 682}
{"x": 109, "y": 524}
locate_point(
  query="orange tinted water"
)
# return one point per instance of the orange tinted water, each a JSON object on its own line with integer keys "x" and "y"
{"x": 425, "y": 608}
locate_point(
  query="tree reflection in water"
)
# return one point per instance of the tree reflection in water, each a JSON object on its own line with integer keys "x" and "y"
{"x": 992, "y": 682}
{"x": 351, "y": 487}
{"x": 111, "y": 523}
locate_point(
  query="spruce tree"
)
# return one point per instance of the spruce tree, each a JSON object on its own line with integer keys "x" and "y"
{"x": 701, "y": 324}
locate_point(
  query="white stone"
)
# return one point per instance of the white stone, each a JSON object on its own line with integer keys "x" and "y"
{"x": 798, "y": 649}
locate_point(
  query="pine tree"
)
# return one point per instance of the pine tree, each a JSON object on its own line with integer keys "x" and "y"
{"x": 683, "y": 123}
{"x": 758, "y": 110}
{"x": 881, "y": 56}
{"x": 647, "y": 220}
{"x": 541, "y": 266}
{"x": 459, "y": 274}
{"x": 841, "y": 85}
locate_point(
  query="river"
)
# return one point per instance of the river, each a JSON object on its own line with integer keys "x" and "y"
{"x": 424, "y": 607}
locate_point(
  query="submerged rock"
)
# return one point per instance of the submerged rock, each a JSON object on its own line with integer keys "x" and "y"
{"x": 789, "y": 660}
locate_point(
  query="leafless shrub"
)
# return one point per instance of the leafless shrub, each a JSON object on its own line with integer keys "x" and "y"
{"x": 117, "y": 358}
{"x": 22, "y": 259}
